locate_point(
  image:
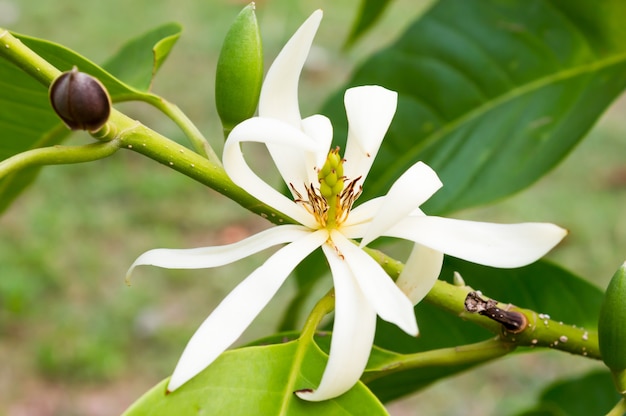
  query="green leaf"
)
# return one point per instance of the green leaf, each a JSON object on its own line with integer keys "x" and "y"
{"x": 128, "y": 74}
{"x": 542, "y": 286}
{"x": 591, "y": 394}
{"x": 256, "y": 380}
{"x": 31, "y": 123}
{"x": 493, "y": 94}
{"x": 138, "y": 61}
{"x": 306, "y": 275}
{"x": 369, "y": 12}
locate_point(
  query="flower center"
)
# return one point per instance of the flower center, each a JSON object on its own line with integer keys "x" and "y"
{"x": 331, "y": 202}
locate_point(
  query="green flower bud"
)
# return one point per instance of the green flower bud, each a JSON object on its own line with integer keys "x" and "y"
{"x": 239, "y": 71}
{"x": 80, "y": 100}
{"x": 611, "y": 328}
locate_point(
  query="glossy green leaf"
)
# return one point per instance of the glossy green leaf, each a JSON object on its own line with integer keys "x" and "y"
{"x": 492, "y": 93}
{"x": 256, "y": 380}
{"x": 591, "y": 394}
{"x": 31, "y": 123}
{"x": 369, "y": 12}
{"x": 542, "y": 286}
{"x": 306, "y": 275}
{"x": 139, "y": 60}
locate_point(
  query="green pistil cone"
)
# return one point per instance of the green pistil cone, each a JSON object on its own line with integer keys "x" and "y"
{"x": 331, "y": 176}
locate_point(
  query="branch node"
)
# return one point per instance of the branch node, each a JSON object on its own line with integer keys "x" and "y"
{"x": 512, "y": 321}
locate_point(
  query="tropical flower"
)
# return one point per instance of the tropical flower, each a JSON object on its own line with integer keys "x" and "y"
{"x": 324, "y": 187}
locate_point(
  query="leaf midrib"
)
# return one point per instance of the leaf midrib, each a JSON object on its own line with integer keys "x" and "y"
{"x": 569, "y": 73}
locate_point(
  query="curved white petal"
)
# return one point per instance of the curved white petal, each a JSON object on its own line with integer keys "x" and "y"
{"x": 420, "y": 272}
{"x": 265, "y": 130}
{"x": 320, "y": 129}
{"x": 279, "y": 94}
{"x": 496, "y": 245}
{"x": 359, "y": 219}
{"x": 370, "y": 110}
{"x": 353, "y": 334}
{"x": 385, "y": 297}
{"x": 233, "y": 315}
{"x": 204, "y": 257}
{"x": 407, "y": 193}
{"x": 365, "y": 212}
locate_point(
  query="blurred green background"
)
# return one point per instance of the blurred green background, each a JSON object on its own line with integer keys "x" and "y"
{"x": 75, "y": 340}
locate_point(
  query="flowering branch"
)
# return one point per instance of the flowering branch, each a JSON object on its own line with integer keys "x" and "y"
{"x": 321, "y": 208}
{"x": 540, "y": 330}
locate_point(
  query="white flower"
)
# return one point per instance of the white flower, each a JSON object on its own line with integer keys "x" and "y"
{"x": 323, "y": 210}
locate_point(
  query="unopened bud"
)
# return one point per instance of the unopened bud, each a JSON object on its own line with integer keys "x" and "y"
{"x": 611, "y": 328}
{"x": 80, "y": 100}
{"x": 239, "y": 73}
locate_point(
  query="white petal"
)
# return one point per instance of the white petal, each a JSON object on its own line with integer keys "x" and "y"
{"x": 359, "y": 219}
{"x": 365, "y": 212}
{"x": 264, "y": 130}
{"x": 297, "y": 165}
{"x": 420, "y": 272}
{"x": 407, "y": 193}
{"x": 353, "y": 334}
{"x": 279, "y": 97}
{"x": 204, "y": 257}
{"x": 370, "y": 110}
{"x": 233, "y": 315}
{"x": 496, "y": 245}
{"x": 387, "y": 299}
{"x": 317, "y": 127}
{"x": 279, "y": 94}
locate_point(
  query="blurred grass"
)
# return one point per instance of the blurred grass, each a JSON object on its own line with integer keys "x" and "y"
{"x": 71, "y": 331}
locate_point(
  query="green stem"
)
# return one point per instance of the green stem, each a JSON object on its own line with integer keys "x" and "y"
{"x": 322, "y": 308}
{"x": 133, "y": 135}
{"x": 541, "y": 331}
{"x": 15, "y": 51}
{"x": 57, "y": 155}
{"x": 198, "y": 141}
{"x": 467, "y": 355}
{"x": 619, "y": 409}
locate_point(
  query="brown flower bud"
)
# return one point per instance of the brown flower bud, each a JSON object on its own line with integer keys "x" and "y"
{"x": 80, "y": 100}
